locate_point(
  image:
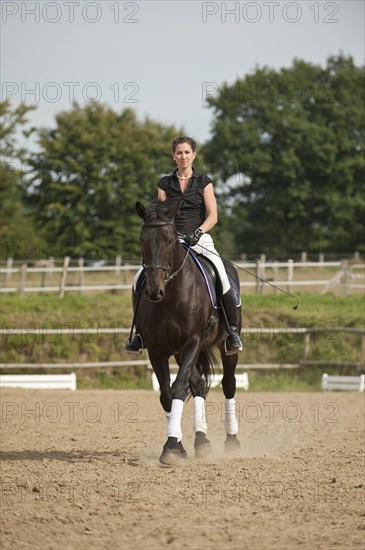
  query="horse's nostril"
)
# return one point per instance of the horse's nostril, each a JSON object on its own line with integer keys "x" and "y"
{"x": 155, "y": 295}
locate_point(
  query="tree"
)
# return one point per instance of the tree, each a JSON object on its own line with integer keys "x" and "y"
{"x": 17, "y": 231}
{"x": 92, "y": 168}
{"x": 294, "y": 139}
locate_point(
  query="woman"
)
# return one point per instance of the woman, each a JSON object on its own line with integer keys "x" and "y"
{"x": 196, "y": 216}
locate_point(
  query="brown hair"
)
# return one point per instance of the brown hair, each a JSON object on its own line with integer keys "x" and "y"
{"x": 183, "y": 139}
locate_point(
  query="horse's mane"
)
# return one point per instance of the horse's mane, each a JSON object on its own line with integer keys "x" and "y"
{"x": 157, "y": 211}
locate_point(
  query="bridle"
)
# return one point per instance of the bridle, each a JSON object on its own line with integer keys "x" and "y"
{"x": 168, "y": 269}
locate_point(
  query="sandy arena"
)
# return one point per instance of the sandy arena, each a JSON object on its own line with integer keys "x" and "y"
{"x": 80, "y": 470}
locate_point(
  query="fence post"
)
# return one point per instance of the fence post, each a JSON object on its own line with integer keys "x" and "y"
{"x": 307, "y": 343}
{"x": 23, "y": 274}
{"x": 44, "y": 264}
{"x": 303, "y": 257}
{"x": 81, "y": 274}
{"x": 346, "y": 278}
{"x": 321, "y": 258}
{"x": 52, "y": 266}
{"x": 118, "y": 263}
{"x": 275, "y": 277}
{"x": 43, "y": 280}
{"x": 9, "y": 265}
{"x": 260, "y": 272}
{"x": 66, "y": 262}
{"x": 290, "y": 274}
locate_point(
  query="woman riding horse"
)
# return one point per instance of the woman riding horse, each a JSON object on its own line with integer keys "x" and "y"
{"x": 177, "y": 318}
{"x": 196, "y": 216}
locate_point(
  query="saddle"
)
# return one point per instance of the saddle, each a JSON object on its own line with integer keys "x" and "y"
{"x": 210, "y": 275}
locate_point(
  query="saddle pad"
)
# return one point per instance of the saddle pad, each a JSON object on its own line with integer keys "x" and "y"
{"x": 211, "y": 283}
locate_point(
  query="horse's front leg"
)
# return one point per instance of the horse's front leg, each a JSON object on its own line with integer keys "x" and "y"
{"x": 173, "y": 450}
{"x": 161, "y": 369}
{"x": 198, "y": 389}
{"x": 229, "y": 390}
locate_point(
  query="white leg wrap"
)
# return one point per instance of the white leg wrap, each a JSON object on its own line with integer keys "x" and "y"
{"x": 200, "y": 421}
{"x": 174, "y": 421}
{"x": 230, "y": 421}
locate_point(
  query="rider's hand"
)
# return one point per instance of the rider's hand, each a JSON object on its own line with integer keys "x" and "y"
{"x": 193, "y": 239}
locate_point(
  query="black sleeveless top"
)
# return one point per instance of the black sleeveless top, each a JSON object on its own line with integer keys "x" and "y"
{"x": 191, "y": 213}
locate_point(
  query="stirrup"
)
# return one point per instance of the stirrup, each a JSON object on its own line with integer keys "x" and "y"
{"x": 135, "y": 345}
{"x": 233, "y": 347}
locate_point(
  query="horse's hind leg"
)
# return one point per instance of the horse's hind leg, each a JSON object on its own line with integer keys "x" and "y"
{"x": 229, "y": 390}
{"x": 202, "y": 445}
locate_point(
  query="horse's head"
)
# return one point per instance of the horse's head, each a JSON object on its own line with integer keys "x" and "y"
{"x": 158, "y": 241}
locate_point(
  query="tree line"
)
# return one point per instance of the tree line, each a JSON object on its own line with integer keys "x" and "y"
{"x": 286, "y": 154}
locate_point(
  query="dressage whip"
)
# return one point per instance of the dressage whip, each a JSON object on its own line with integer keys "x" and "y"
{"x": 256, "y": 276}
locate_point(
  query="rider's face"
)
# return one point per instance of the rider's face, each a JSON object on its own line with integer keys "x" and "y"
{"x": 184, "y": 156}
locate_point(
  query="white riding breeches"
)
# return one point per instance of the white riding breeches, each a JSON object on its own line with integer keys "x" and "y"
{"x": 205, "y": 247}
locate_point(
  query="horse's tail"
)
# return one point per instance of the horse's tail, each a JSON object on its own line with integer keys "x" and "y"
{"x": 207, "y": 360}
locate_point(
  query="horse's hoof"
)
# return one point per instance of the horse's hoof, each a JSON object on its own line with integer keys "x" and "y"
{"x": 202, "y": 445}
{"x": 231, "y": 444}
{"x": 173, "y": 453}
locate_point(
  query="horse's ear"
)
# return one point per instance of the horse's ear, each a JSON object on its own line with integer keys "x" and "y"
{"x": 172, "y": 211}
{"x": 140, "y": 209}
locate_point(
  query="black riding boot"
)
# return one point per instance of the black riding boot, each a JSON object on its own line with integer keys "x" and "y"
{"x": 233, "y": 342}
{"x": 136, "y": 344}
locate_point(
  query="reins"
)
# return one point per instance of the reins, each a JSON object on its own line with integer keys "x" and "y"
{"x": 169, "y": 277}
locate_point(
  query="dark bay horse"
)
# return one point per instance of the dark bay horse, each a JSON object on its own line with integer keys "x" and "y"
{"x": 176, "y": 318}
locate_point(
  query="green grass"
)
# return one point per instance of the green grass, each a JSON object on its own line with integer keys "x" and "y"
{"x": 312, "y": 309}
{"x": 328, "y": 312}
{"x": 115, "y": 310}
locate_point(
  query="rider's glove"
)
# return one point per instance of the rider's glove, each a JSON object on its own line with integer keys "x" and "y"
{"x": 193, "y": 239}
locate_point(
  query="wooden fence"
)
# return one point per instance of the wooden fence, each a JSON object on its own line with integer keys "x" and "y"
{"x": 309, "y": 333}
{"x": 347, "y": 276}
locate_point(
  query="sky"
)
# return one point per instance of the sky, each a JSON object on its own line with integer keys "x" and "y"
{"x": 161, "y": 57}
